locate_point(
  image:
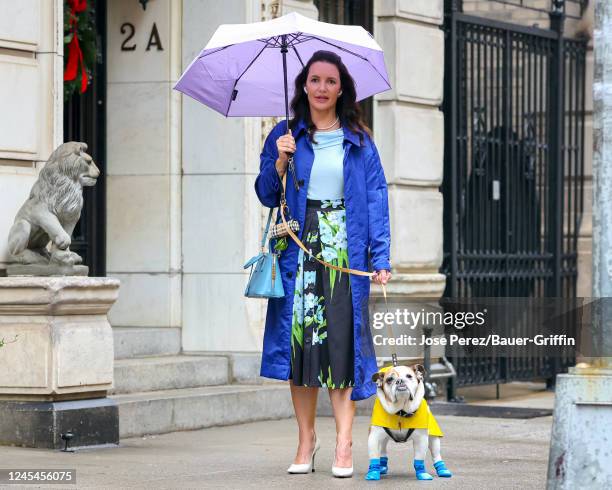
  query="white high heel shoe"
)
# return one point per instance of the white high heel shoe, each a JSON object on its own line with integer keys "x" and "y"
{"x": 341, "y": 471}
{"x": 305, "y": 467}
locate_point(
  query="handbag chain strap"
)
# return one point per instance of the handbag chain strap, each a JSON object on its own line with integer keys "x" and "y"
{"x": 265, "y": 234}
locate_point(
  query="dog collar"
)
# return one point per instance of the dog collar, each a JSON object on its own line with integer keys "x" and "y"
{"x": 403, "y": 413}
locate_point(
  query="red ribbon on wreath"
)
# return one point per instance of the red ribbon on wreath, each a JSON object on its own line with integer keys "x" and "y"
{"x": 75, "y": 55}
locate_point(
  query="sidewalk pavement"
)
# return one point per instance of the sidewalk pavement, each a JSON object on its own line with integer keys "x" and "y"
{"x": 516, "y": 394}
{"x": 481, "y": 453}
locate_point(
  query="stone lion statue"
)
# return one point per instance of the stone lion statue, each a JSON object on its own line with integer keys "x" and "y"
{"x": 44, "y": 224}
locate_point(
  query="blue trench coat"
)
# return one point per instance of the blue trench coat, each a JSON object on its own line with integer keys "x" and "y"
{"x": 368, "y": 235}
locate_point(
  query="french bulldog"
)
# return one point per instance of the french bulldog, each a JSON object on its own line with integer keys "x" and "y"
{"x": 401, "y": 412}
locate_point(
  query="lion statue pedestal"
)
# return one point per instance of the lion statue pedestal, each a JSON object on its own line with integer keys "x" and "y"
{"x": 39, "y": 240}
{"x": 56, "y": 373}
{"x": 55, "y": 376}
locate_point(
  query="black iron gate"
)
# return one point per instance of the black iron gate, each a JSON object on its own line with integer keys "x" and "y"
{"x": 85, "y": 120}
{"x": 513, "y": 170}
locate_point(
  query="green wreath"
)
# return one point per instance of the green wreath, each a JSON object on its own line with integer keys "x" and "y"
{"x": 80, "y": 53}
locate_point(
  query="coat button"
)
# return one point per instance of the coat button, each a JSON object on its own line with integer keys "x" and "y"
{"x": 289, "y": 274}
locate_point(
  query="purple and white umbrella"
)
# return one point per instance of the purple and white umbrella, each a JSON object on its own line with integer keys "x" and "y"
{"x": 243, "y": 70}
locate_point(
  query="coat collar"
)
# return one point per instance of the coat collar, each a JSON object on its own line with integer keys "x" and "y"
{"x": 349, "y": 135}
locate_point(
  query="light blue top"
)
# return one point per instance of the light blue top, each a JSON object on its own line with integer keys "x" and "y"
{"x": 326, "y": 177}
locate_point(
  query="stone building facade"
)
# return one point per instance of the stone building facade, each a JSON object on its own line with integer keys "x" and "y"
{"x": 182, "y": 215}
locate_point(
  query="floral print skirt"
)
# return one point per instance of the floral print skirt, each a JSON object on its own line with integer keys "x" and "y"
{"x": 322, "y": 326}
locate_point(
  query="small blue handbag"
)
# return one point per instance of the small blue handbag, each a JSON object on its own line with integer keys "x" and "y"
{"x": 265, "y": 279}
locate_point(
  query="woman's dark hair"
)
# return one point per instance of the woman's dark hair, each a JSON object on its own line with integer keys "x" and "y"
{"x": 347, "y": 108}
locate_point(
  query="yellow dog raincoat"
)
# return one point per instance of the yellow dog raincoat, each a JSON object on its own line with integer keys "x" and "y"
{"x": 421, "y": 419}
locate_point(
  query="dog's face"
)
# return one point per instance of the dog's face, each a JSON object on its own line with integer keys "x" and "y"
{"x": 400, "y": 382}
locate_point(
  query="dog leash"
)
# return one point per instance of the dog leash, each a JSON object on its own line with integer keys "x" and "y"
{"x": 283, "y": 205}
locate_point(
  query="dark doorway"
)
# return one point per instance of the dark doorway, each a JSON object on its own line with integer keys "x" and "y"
{"x": 85, "y": 120}
{"x": 350, "y": 12}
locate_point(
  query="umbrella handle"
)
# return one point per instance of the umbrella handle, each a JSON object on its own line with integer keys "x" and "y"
{"x": 291, "y": 167}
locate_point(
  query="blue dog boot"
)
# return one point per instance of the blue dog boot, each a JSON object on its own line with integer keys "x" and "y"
{"x": 384, "y": 465}
{"x": 442, "y": 470}
{"x": 419, "y": 467}
{"x": 374, "y": 470}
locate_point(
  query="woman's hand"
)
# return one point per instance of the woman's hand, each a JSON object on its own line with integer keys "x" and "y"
{"x": 381, "y": 277}
{"x": 285, "y": 145}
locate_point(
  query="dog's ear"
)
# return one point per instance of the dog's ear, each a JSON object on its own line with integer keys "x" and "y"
{"x": 420, "y": 371}
{"x": 378, "y": 378}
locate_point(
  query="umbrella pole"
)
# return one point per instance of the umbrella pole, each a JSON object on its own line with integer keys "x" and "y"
{"x": 284, "y": 49}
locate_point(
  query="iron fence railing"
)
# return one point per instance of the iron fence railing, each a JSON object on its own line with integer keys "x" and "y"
{"x": 514, "y": 171}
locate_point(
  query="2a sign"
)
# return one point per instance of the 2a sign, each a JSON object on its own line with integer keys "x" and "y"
{"x": 127, "y": 28}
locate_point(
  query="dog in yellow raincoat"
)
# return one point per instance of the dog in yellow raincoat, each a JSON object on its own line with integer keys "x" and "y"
{"x": 401, "y": 412}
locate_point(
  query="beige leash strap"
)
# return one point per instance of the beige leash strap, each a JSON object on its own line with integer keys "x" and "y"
{"x": 283, "y": 205}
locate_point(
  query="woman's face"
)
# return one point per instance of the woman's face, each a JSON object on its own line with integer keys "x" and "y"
{"x": 323, "y": 85}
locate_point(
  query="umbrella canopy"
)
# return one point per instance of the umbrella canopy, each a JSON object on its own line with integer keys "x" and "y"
{"x": 243, "y": 70}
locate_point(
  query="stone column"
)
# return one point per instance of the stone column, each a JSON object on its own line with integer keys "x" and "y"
{"x": 602, "y": 178}
{"x": 306, "y": 8}
{"x": 222, "y": 217}
{"x": 580, "y": 450}
{"x": 144, "y": 187}
{"x": 219, "y": 207}
{"x": 56, "y": 363}
{"x": 409, "y": 133}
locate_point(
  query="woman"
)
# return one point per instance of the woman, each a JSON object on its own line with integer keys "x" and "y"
{"x": 318, "y": 334}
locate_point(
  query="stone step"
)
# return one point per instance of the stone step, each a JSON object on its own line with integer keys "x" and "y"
{"x": 158, "y": 412}
{"x": 146, "y": 341}
{"x": 169, "y": 373}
